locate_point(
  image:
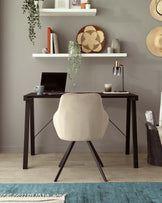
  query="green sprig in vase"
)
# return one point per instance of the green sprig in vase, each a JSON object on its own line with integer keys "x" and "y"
{"x": 74, "y": 60}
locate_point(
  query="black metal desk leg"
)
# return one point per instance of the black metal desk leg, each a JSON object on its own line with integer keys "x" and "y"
{"x": 128, "y": 116}
{"x": 134, "y": 134}
{"x": 32, "y": 138}
{"x": 26, "y": 136}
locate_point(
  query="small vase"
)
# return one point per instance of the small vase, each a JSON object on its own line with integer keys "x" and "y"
{"x": 83, "y": 5}
{"x": 115, "y": 45}
{"x": 88, "y": 6}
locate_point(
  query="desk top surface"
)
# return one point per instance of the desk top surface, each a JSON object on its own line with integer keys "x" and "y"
{"x": 33, "y": 95}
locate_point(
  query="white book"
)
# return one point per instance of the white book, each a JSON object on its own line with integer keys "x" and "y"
{"x": 51, "y": 43}
{"x": 56, "y": 46}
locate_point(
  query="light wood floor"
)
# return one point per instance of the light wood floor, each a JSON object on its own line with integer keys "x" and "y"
{"x": 80, "y": 167}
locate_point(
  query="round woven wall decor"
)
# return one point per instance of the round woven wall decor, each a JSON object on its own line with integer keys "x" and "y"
{"x": 156, "y": 9}
{"x": 91, "y": 38}
{"x": 154, "y": 41}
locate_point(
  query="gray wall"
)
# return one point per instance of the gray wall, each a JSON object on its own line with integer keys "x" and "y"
{"x": 128, "y": 20}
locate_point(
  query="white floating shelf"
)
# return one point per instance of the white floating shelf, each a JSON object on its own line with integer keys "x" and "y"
{"x": 67, "y": 12}
{"x": 94, "y": 55}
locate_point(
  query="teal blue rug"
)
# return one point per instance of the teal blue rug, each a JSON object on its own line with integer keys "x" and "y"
{"x": 119, "y": 192}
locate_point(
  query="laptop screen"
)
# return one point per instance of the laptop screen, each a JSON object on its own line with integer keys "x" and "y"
{"x": 54, "y": 82}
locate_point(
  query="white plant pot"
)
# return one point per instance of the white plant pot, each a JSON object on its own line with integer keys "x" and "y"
{"x": 35, "y": 2}
{"x": 40, "y": 3}
{"x": 88, "y": 6}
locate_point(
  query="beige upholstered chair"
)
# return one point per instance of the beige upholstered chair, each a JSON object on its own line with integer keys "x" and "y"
{"x": 81, "y": 117}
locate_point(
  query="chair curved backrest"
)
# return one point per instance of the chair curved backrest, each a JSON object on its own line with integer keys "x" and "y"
{"x": 80, "y": 117}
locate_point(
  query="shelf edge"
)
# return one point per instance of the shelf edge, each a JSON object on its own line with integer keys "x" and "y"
{"x": 65, "y": 55}
{"x": 68, "y": 12}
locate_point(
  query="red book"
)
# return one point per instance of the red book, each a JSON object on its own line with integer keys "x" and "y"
{"x": 49, "y": 31}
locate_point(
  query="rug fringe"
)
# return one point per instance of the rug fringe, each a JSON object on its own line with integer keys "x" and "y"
{"x": 31, "y": 195}
{"x": 19, "y": 198}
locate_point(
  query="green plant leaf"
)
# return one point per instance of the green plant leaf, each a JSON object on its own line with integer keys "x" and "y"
{"x": 31, "y": 10}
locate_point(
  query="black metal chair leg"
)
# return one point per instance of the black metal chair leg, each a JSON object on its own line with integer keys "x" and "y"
{"x": 96, "y": 154}
{"x": 97, "y": 162}
{"x": 64, "y": 161}
{"x": 63, "y": 158}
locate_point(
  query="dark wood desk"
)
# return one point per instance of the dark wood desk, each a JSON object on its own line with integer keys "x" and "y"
{"x": 29, "y": 122}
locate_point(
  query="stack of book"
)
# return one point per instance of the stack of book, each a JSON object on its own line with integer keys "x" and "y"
{"x": 52, "y": 42}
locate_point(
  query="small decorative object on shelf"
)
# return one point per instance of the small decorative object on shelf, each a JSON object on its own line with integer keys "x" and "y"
{"x": 31, "y": 9}
{"x": 115, "y": 45}
{"x": 74, "y": 59}
{"x": 75, "y": 4}
{"x": 91, "y": 38}
{"x": 88, "y": 4}
{"x": 44, "y": 51}
{"x": 61, "y": 4}
{"x": 83, "y": 5}
{"x": 109, "y": 50}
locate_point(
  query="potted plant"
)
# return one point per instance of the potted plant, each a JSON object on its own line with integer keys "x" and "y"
{"x": 88, "y": 4}
{"x": 31, "y": 9}
{"x": 74, "y": 59}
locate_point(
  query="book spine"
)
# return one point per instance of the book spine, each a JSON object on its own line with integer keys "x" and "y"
{"x": 49, "y": 31}
{"x": 51, "y": 43}
{"x": 56, "y": 46}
